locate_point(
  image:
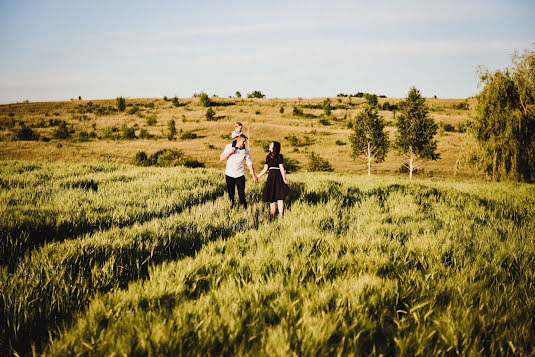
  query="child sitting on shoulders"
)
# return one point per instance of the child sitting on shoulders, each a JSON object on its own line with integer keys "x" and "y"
{"x": 237, "y": 132}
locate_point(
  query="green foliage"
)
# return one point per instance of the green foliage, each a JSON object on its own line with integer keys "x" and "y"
{"x": 505, "y": 121}
{"x": 256, "y": 94}
{"x": 326, "y": 106}
{"x": 188, "y": 135}
{"x": 325, "y": 121}
{"x": 62, "y": 132}
{"x": 317, "y": 163}
{"x": 26, "y": 134}
{"x": 291, "y": 165}
{"x": 204, "y": 100}
{"x": 210, "y": 114}
{"x": 281, "y": 110}
{"x": 297, "y": 142}
{"x": 152, "y": 120}
{"x": 171, "y": 130}
{"x": 82, "y": 136}
{"x": 175, "y": 102}
{"x": 297, "y": 112}
{"x": 128, "y": 133}
{"x": 238, "y": 94}
{"x": 368, "y": 139}
{"x": 144, "y": 134}
{"x": 97, "y": 109}
{"x": 165, "y": 158}
{"x": 134, "y": 110}
{"x": 120, "y": 103}
{"x": 416, "y": 130}
{"x": 340, "y": 142}
{"x": 462, "y": 106}
{"x": 371, "y": 99}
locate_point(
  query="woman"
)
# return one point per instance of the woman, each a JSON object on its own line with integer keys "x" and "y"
{"x": 276, "y": 188}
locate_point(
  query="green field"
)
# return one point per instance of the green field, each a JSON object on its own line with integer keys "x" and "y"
{"x": 106, "y": 258}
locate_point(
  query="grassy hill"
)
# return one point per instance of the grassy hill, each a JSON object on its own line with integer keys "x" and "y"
{"x": 98, "y": 132}
{"x": 106, "y": 258}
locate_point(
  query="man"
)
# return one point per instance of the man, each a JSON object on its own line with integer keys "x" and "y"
{"x": 235, "y": 170}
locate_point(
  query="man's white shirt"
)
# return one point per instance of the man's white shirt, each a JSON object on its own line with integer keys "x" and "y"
{"x": 235, "y": 167}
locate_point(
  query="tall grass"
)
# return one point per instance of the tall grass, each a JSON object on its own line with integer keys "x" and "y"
{"x": 357, "y": 266}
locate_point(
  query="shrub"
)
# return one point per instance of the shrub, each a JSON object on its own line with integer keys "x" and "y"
{"x": 257, "y": 112}
{"x": 26, "y": 134}
{"x": 340, "y": 142}
{"x": 62, "y": 132}
{"x": 281, "y": 110}
{"x": 128, "y": 133}
{"x": 121, "y": 104}
{"x": 152, "y": 120}
{"x": 165, "y": 98}
{"x": 317, "y": 163}
{"x": 297, "y": 112}
{"x": 326, "y": 105}
{"x": 135, "y": 109}
{"x": 150, "y": 105}
{"x": 325, "y": 121}
{"x": 175, "y": 102}
{"x": 144, "y": 134}
{"x": 462, "y": 106}
{"x": 291, "y": 165}
{"x": 204, "y": 100}
{"x": 238, "y": 94}
{"x": 171, "y": 130}
{"x": 187, "y": 135}
{"x": 82, "y": 136}
{"x": 165, "y": 158}
{"x": 256, "y": 94}
{"x": 210, "y": 114}
{"x": 109, "y": 132}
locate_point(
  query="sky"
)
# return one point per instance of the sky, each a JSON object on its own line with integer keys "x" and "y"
{"x": 57, "y": 50}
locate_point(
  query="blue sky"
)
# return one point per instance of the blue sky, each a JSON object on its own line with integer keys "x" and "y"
{"x": 56, "y": 50}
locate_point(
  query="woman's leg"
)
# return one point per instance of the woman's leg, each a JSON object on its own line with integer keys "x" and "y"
{"x": 273, "y": 207}
{"x": 280, "y": 203}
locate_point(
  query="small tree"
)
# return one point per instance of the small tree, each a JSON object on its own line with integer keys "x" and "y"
{"x": 121, "y": 104}
{"x": 368, "y": 140}
{"x": 204, "y": 99}
{"x": 238, "y": 94}
{"x": 416, "y": 130}
{"x": 317, "y": 163}
{"x": 256, "y": 94}
{"x": 326, "y": 105}
{"x": 171, "y": 130}
{"x": 210, "y": 114}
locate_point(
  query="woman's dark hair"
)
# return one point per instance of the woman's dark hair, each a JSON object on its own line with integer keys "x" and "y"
{"x": 276, "y": 150}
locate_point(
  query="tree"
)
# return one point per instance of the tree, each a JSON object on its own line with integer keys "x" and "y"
{"x": 210, "y": 114}
{"x": 238, "y": 94}
{"x": 416, "y": 130}
{"x": 171, "y": 130}
{"x": 121, "y": 104}
{"x": 204, "y": 100}
{"x": 368, "y": 140}
{"x": 326, "y": 105}
{"x": 256, "y": 94}
{"x": 504, "y": 124}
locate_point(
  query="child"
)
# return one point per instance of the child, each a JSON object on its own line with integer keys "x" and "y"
{"x": 237, "y": 132}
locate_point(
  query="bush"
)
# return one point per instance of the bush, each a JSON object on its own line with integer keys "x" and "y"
{"x": 144, "y": 134}
{"x": 291, "y": 165}
{"x": 121, "y": 104}
{"x": 135, "y": 109}
{"x": 317, "y": 163}
{"x": 462, "y": 106}
{"x": 325, "y": 121}
{"x": 110, "y": 132}
{"x": 26, "y": 134}
{"x": 187, "y": 135}
{"x": 463, "y": 126}
{"x": 128, "y": 133}
{"x": 171, "y": 130}
{"x": 326, "y": 106}
{"x": 238, "y": 94}
{"x": 165, "y": 158}
{"x": 151, "y": 120}
{"x": 256, "y": 94}
{"x": 175, "y": 102}
{"x": 62, "y": 132}
{"x": 340, "y": 142}
{"x": 210, "y": 114}
{"x": 281, "y": 110}
{"x": 297, "y": 112}
{"x": 82, "y": 136}
{"x": 165, "y": 98}
{"x": 204, "y": 100}
{"x": 447, "y": 127}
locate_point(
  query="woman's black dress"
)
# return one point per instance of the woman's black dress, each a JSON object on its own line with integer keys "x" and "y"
{"x": 275, "y": 188}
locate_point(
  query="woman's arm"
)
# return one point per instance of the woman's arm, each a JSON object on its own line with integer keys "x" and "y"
{"x": 283, "y": 173}
{"x": 264, "y": 170}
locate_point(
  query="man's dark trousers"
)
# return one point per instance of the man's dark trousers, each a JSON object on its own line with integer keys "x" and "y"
{"x": 232, "y": 183}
